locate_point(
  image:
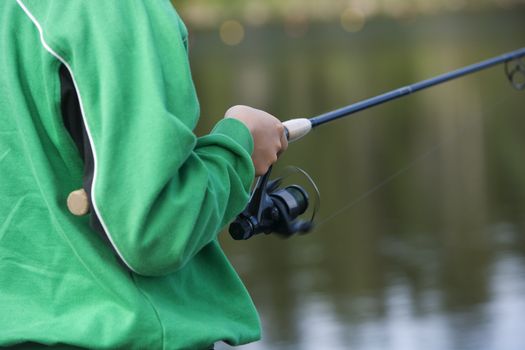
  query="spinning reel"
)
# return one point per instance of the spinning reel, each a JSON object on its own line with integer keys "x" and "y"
{"x": 273, "y": 208}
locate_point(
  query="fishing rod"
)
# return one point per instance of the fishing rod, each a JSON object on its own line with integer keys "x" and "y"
{"x": 298, "y": 128}
{"x": 273, "y": 209}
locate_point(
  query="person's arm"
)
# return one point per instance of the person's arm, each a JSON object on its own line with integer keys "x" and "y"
{"x": 159, "y": 193}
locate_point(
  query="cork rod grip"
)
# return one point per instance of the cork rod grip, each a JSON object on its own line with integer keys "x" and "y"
{"x": 297, "y": 128}
{"x": 78, "y": 202}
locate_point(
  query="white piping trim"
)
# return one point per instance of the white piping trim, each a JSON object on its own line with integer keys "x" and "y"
{"x": 91, "y": 143}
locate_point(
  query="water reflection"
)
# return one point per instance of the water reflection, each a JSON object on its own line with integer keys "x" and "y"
{"x": 432, "y": 258}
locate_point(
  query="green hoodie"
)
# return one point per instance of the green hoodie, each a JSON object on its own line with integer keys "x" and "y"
{"x": 150, "y": 274}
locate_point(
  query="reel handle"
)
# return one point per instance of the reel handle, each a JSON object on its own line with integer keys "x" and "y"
{"x": 297, "y": 128}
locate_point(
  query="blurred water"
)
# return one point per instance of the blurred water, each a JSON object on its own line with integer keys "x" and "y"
{"x": 435, "y": 257}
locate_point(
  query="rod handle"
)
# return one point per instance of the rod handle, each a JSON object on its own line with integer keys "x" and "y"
{"x": 297, "y": 128}
{"x": 78, "y": 202}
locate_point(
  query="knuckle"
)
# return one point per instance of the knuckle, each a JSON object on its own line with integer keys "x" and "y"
{"x": 236, "y": 110}
{"x": 232, "y": 110}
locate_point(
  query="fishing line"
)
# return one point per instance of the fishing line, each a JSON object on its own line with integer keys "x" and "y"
{"x": 407, "y": 167}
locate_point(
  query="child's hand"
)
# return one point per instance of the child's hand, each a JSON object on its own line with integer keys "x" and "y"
{"x": 268, "y": 135}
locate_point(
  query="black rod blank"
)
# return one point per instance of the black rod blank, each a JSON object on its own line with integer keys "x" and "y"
{"x": 407, "y": 90}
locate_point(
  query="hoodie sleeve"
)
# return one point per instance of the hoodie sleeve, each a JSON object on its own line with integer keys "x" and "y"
{"x": 160, "y": 193}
